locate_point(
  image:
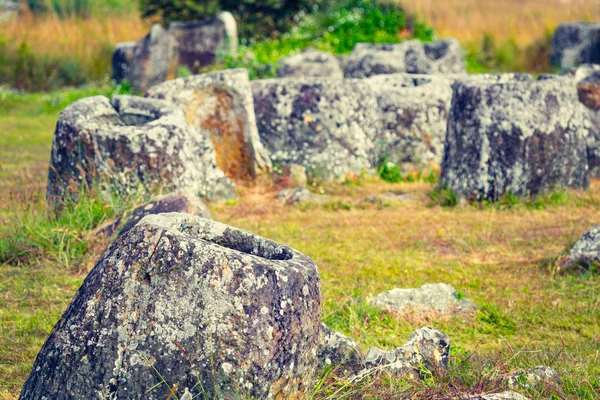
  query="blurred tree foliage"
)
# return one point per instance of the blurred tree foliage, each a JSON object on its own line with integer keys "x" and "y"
{"x": 256, "y": 18}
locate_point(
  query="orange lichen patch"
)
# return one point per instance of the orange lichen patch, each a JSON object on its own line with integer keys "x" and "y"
{"x": 589, "y": 94}
{"x": 215, "y": 111}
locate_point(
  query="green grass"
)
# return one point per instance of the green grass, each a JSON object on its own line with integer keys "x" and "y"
{"x": 500, "y": 256}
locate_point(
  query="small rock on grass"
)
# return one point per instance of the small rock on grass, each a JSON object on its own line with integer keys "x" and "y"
{"x": 299, "y": 195}
{"x": 585, "y": 252}
{"x": 532, "y": 376}
{"x": 437, "y": 297}
{"x": 497, "y": 396}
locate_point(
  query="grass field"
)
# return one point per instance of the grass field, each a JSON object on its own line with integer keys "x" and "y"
{"x": 502, "y": 257}
{"x": 524, "y": 21}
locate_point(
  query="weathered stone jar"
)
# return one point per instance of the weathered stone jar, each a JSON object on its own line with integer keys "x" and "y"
{"x": 524, "y": 137}
{"x": 186, "y": 305}
{"x": 220, "y": 105}
{"x": 328, "y": 126}
{"x": 129, "y": 143}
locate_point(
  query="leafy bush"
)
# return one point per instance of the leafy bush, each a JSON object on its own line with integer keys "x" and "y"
{"x": 259, "y": 18}
{"x": 336, "y": 28}
{"x": 388, "y": 171}
{"x": 444, "y": 197}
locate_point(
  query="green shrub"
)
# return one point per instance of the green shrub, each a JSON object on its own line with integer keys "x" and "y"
{"x": 388, "y": 171}
{"x": 80, "y": 8}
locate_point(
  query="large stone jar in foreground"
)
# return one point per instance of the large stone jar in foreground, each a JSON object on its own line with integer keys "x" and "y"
{"x": 186, "y": 305}
{"x": 220, "y": 104}
{"x": 127, "y": 144}
{"x": 523, "y": 137}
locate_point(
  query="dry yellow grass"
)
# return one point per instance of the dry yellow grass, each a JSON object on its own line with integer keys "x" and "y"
{"x": 525, "y": 21}
{"x": 72, "y": 37}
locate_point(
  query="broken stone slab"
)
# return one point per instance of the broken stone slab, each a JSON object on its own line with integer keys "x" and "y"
{"x": 152, "y": 60}
{"x": 206, "y": 42}
{"x": 338, "y": 350}
{"x": 576, "y": 43}
{"x": 179, "y": 202}
{"x": 8, "y": 9}
{"x": 426, "y": 348}
{"x": 508, "y": 395}
{"x": 299, "y": 195}
{"x": 437, "y": 297}
{"x": 524, "y": 137}
{"x": 413, "y": 113}
{"x": 411, "y": 56}
{"x": 310, "y": 63}
{"x": 129, "y": 144}
{"x": 585, "y": 252}
{"x": 220, "y": 104}
{"x": 181, "y": 303}
{"x": 532, "y": 376}
{"x": 328, "y": 126}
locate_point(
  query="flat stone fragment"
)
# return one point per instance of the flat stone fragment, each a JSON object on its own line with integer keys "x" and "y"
{"x": 412, "y": 56}
{"x": 524, "y": 137}
{"x": 576, "y": 43}
{"x": 586, "y": 251}
{"x": 205, "y": 42}
{"x": 389, "y": 197}
{"x": 532, "y": 376}
{"x": 220, "y": 104}
{"x": 328, "y": 126}
{"x": 438, "y": 297}
{"x": 338, "y": 350}
{"x": 426, "y": 348}
{"x": 497, "y": 396}
{"x": 413, "y": 114}
{"x": 190, "y": 306}
{"x": 310, "y": 63}
{"x": 127, "y": 144}
{"x": 299, "y": 195}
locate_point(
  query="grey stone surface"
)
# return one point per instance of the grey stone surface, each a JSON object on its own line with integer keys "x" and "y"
{"x": 131, "y": 143}
{"x": 203, "y": 43}
{"x": 122, "y": 60}
{"x": 522, "y": 136}
{"x": 412, "y": 56}
{"x": 154, "y": 59}
{"x": 338, "y": 350}
{"x": 221, "y": 105}
{"x": 208, "y": 307}
{"x": 326, "y": 125}
{"x": 576, "y": 43}
{"x": 426, "y": 348}
{"x": 439, "y": 297}
{"x": 586, "y": 251}
{"x": 532, "y": 376}
{"x": 179, "y": 202}
{"x": 299, "y": 195}
{"x": 413, "y": 111}
{"x": 310, "y": 63}
{"x": 508, "y": 395}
